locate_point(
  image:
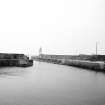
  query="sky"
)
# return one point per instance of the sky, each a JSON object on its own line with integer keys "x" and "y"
{"x": 58, "y": 26}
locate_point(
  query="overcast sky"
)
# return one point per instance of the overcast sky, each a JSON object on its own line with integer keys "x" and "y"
{"x": 59, "y": 26}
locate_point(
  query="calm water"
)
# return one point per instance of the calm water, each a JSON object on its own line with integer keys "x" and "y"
{"x": 51, "y": 84}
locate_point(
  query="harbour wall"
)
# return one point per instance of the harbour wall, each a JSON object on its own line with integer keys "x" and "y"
{"x": 19, "y": 60}
{"x": 74, "y": 57}
{"x": 93, "y": 64}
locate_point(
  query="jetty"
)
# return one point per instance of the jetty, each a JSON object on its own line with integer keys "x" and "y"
{"x": 12, "y": 59}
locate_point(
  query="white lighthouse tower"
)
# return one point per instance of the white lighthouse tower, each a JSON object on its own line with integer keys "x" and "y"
{"x": 40, "y": 52}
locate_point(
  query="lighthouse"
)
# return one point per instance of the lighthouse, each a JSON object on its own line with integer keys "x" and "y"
{"x": 40, "y": 52}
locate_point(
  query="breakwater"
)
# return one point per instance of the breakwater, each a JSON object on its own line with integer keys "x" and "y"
{"x": 19, "y": 60}
{"x": 91, "y": 63}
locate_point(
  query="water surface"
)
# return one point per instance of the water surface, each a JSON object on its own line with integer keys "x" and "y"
{"x": 51, "y": 84}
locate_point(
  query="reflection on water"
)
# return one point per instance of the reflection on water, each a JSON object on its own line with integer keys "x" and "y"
{"x": 51, "y": 84}
{"x": 12, "y": 71}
